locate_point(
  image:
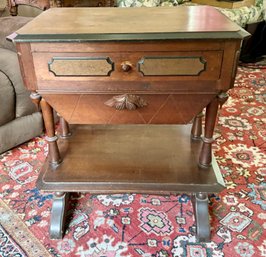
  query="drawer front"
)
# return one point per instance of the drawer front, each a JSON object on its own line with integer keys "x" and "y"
{"x": 128, "y": 108}
{"x": 148, "y": 66}
{"x": 82, "y": 71}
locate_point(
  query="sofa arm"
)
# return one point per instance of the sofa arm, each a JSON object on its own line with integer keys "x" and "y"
{"x": 10, "y": 67}
{"x": 20, "y": 130}
{"x": 8, "y": 26}
{"x": 7, "y": 100}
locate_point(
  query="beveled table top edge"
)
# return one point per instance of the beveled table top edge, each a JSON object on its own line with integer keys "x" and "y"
{"x": 130, "y": 37}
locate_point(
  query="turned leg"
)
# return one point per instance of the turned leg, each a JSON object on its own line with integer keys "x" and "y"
{"x": 222, "y": 97}
{"x": 64, "y": 128}
{"x": 196, "y": 130}
{"x": 13, "y": 10}
{"x": 59, "y": 3}
{"x": 51, "y": 138}
{"x": 205, "y": 157}
{"x": 201, "y": 212}
{"x": 36, "y": 98}
{"x": 57, "y": 222}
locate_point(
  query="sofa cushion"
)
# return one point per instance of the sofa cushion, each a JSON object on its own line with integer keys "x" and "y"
{"x": 10, "y": 67}
{"x": 7, "y": 100}
{"x": 8, "y": 26}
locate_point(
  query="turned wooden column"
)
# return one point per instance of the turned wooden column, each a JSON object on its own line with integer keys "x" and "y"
{"x": 64, "y": 128}
{"x": 36, "y": 98}
{"x": 13, "y": 10}
{"x": 196, "y": 130}
{"x": 222, "y": 97}
{"x": 205, "y": 157}
{"x": 51, "y": 138}
{"x": 59, "y": 3}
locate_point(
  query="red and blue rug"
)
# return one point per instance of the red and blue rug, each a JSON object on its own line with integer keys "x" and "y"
{"x": 149, "y": 225}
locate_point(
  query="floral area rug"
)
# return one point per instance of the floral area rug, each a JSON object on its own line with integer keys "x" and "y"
{"x": 149, "y": 225}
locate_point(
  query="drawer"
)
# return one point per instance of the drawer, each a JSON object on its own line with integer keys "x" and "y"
{"x": 116, "y": 71}
{"x": 128, "y": 108}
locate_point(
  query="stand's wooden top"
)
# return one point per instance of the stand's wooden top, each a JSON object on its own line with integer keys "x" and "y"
{"x": 105, "y": 24}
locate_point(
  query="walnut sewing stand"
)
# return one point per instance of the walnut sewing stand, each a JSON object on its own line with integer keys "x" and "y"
{"x": 127, "y": 79}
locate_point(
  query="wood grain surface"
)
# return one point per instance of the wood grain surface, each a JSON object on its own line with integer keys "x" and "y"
{"x": 135, "y": 158}
{"x": 129, "y": 20}
{"x": 160, "y": 108}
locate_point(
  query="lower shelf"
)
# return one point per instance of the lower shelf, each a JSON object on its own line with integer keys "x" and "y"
{"x": 158, "y": 159}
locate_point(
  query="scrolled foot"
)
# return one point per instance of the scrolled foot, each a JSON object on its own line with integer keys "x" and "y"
{"x": 57, "y": 222}
{"x": 200, "y": 205}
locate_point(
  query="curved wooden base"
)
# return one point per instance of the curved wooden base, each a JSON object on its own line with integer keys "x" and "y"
{"x": 199, "y": 201}
{"x": 117, "y": 172}
{"x": 200, "y": 205}
{"x": 57, "y": 222}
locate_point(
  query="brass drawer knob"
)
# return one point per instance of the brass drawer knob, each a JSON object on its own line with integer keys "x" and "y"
{"x": 126, "y": 66}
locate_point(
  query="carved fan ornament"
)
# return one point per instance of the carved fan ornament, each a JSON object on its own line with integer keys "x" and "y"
{"x": 126, "y": 101}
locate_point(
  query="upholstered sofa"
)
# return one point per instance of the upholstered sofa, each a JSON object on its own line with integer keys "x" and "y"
{"x": 19, "y": 119}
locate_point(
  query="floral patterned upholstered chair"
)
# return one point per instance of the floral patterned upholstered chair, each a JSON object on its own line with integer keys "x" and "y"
{"x": 242, "y": 16}
{"x": 247, "y": 15}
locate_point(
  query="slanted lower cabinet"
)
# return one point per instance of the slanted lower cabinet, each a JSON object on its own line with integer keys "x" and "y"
{"x": 106, "y": 76}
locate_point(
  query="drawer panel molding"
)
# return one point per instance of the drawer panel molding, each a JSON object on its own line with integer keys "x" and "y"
{"x": 171, "y": 66}
{"x": 81, "y": 66}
